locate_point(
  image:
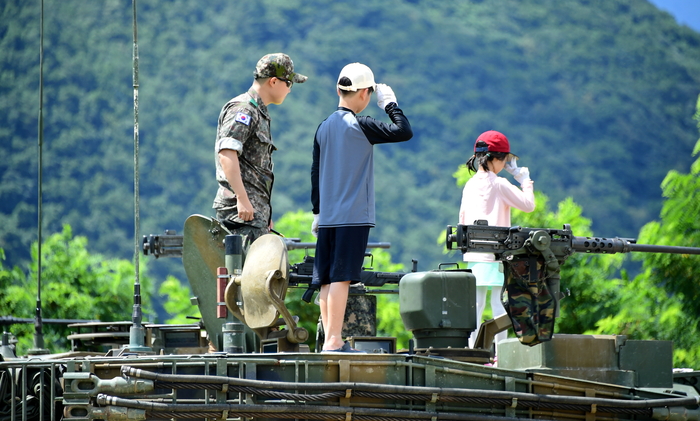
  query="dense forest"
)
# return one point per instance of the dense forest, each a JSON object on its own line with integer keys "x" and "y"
{"x": 596, "y": 96}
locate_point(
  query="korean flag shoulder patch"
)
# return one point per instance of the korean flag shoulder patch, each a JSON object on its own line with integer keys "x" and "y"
{"x": 242, "y": 118}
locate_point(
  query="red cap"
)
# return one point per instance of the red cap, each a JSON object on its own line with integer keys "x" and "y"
{"x": 496, "y": 141}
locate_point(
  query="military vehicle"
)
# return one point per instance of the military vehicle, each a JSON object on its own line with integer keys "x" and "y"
{"x": 248, "y": 357}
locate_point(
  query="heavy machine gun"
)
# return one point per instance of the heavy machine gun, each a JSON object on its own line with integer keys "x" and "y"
{"x": 302, "y": 273}
{"x": 169, "y": 244}
{"x": 532, "y": 259}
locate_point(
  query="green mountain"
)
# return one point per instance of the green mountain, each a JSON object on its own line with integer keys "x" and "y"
{"x": 596, "y": 96}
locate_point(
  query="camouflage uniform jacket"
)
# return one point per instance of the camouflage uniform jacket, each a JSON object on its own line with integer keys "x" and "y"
{"x": 244, "y": 126}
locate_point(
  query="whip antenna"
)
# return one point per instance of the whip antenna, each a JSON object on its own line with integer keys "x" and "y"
{"x": 38, "y": 324}
{"x": 136, "y": 333}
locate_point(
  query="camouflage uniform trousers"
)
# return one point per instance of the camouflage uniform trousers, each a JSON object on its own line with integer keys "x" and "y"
{"x": 530, "y": 304}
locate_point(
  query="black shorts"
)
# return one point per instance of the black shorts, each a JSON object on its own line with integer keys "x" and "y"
{"x": 340, "y": 253}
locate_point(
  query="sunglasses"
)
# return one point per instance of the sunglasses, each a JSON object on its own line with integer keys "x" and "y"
{"x": 287, "y": 81}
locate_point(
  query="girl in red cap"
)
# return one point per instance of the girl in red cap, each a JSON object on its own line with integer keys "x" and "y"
{"x": 490, "y": 197}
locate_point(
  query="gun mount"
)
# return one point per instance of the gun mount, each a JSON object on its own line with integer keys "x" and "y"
{"x": 532, "y": 259}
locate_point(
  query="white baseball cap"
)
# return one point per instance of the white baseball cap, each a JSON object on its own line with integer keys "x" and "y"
{"x": 360, "y": 76}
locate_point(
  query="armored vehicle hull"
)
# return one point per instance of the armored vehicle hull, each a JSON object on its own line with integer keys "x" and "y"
{"x": 315, "y": 386}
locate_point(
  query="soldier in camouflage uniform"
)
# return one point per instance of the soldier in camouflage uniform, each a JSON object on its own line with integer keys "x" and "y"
{"x": 244, "y": 147}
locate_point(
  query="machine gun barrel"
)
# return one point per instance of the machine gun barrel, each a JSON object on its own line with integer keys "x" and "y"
{"x": 10, "y": 320}
{"x": 170, "y": 245}
{"x": 164, "y": 245}
{"x": 624, "y": 245}
{"x": 295, "y": 244}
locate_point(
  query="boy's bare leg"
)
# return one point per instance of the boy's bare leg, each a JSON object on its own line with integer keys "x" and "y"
{"x": 334, "y": 302}
{"x": 323, "y": 306}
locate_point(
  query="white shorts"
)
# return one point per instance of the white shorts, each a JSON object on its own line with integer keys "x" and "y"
{"x": 487, "y": 273}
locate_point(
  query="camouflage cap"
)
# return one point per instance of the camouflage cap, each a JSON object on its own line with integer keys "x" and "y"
{"x": 277, "y": 65}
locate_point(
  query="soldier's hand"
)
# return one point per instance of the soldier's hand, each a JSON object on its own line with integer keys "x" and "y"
{"x": 245, "y": 209}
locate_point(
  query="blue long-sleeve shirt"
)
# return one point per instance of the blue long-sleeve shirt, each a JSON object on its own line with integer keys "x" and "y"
{"x": 342, "y": 173}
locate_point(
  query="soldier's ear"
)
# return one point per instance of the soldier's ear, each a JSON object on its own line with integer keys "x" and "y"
{"x": 268, "y": 81}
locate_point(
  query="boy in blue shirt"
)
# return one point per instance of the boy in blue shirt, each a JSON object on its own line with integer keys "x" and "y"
{"x": 342, "y": 190}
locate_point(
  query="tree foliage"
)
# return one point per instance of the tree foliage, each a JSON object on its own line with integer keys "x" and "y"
{"x": 176, "y": 301}
{"x": 590, "y": 91}
{"x": 679, "y": 226}
{"x": 661, "y": 302}
{"x": 75, "y": 284}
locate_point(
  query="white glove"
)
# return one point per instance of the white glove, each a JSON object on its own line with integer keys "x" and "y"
{"x": 314, "y": 226}
{"x": 511, "y": 165}
{"x": 519, "y": 173}
{"x": 385, "y": 95}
